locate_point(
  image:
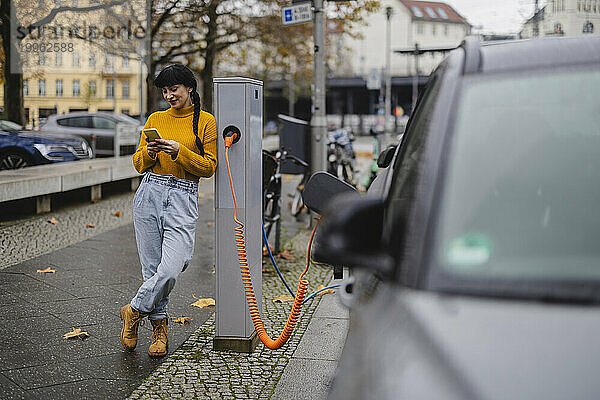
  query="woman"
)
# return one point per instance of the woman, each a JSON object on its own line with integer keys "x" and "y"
{"x": 165, "y": 206}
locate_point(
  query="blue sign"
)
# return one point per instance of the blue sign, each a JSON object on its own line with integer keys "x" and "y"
{"x": 288, "y": 15}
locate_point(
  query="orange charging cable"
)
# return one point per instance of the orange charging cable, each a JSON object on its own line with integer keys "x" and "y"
{"x": 247, "y": 278}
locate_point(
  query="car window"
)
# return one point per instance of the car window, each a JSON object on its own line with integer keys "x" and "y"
{"x": 74, "y": 122}
{"x": 10, "y": 126}
{"x": 103, "y": 122}
{"x": 407, "y": 167}
{"x": 520, "y": 200}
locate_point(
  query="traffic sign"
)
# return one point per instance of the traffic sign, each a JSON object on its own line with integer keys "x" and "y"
{"x": 296, "y": 14}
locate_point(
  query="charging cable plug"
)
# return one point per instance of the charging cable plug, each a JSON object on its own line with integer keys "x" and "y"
{"x": 230, "y": 137}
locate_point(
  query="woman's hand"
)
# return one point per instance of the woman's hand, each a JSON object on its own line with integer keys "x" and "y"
{"x": 170, "y": 147}
{"x": 152, "y": 148}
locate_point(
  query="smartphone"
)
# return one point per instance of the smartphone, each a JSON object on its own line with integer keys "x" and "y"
{"x": 152, "y": 134}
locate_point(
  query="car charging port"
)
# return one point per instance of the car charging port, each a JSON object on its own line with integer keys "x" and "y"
{"x": 231, "y": 135}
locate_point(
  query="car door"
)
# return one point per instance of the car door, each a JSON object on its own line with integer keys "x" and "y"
{"x": 104, "y": 129}
{"x": 79, "y": 125}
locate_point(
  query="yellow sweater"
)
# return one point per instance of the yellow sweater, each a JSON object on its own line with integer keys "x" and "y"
{"x": 176, "y": 124}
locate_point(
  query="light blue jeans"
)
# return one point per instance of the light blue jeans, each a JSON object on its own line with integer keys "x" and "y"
{"x": 165, "y": 211}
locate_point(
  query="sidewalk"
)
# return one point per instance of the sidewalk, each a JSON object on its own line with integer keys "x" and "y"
{"x": 301, "y": 369}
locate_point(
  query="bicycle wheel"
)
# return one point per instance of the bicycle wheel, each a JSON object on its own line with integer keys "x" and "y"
{"x": 272, "y": 221}
{"x": 273, "y": 224}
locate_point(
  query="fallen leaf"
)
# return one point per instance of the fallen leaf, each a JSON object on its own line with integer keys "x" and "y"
{"x": 283, "y": 298}
{"x": 325, "y": 291}
{"x": 201, "y": 195}
{"x": 117, "y": 214}
{"x": 287, "y": 255}
{"x": 53, "y": 221}
{"x": 182, "y": 320}
{"x": 209, "y": 224}
{"x": 76, "y": 333}
{"x": 203, "y": 303}
{"x": 46, "y": 271}
{"x": 95, "y": 201}
{"x": 90, "y": 226}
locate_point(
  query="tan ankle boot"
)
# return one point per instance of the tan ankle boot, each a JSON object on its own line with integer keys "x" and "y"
{"x": 160, "y": 338}
{"x": 131, "y": 322}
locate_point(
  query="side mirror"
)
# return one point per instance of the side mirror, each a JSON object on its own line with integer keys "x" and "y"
{"x": 321, "y": 188}
{"x": 386, "y": 156}
{"x": 350, "y": 235}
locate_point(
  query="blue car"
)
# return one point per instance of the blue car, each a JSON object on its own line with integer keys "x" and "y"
{"x": 20, "y": 148}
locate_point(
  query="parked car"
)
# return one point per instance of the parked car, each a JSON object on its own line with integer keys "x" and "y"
{"x": 20, "y": 148}
{"x": 478, "y": 269}
{"x": 100, "y": 125}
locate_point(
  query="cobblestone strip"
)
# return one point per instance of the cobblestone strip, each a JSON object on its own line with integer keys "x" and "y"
{"x": 28, "y": 238}
{"x": 195, "y": 371}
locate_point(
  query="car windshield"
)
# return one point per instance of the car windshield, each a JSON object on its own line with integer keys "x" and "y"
{"x": 522, "y": 191}
{"x": 126, "y": 118}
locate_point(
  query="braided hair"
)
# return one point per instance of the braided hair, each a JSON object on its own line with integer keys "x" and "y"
{"x": 177, "y": 74}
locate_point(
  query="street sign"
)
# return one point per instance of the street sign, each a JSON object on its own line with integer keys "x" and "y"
{"x": 298, "y": 13}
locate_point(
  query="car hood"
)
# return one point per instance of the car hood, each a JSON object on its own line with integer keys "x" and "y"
{"x": 50, "y": 137}
{"x": 415, "y": 344}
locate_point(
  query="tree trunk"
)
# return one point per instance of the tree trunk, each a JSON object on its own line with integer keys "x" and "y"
{"x": 210, "y": 57}
{"x": 14, "y": 108}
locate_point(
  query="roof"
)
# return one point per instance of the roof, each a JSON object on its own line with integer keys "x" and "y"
{"x": 433, "y": 11}
{"x": 546, "y": 52}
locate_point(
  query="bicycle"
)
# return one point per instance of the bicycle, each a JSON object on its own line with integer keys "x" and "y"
{"x": 272, "y": 194}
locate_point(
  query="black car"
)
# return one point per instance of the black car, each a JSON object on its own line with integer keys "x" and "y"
{"x": 478, "y": 269}
{"x": 21, "y": 148}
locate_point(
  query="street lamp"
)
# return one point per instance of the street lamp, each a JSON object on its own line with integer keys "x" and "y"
{"x": 388, "y": 75}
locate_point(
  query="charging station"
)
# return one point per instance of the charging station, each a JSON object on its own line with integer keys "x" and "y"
{"x": 239, "y": 108}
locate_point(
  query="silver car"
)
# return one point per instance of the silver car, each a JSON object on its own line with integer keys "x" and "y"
{"x": 99, "y": 125}
{"x": 478, "y": 270}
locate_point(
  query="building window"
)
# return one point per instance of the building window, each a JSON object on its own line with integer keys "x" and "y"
{"x": 125, "y": 111}
{"x": 442, "y": 13}
{"x": 125, "y": 62}
{"x": 108, "y": 61}
{"x": 417, "y": 11}
{"x": 41, "y": 87}
{"x": 110, "y": 89}
{"x": 125, "y": 89}
{"x": 58, "y": 58}
{"x": 433, "y": 29}
{"x": 92, "y": 59}
{"x": 420, "y": 28}
{"x": 430, "y": 12}
{"x": 25, "y": 87}
{"x": 92, "y": 86}
{"x": 75, "y": 59}
{"x": 42, "y": 58}
{"x": 588, "y": 27}
{"x": 76, "y": 90}
{"x": 59, "y": 87}
{"x": 446, "y": 29}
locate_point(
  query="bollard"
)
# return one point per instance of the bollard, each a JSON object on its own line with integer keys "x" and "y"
{"x": 238, "y": 105}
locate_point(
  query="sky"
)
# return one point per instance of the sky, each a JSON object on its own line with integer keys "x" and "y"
{"x": 497, "y": 16}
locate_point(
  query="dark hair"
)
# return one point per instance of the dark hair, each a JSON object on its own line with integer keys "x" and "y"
{"x": 177, "y": 74}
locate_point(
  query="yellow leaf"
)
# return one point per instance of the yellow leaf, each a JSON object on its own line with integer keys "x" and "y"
{"x": 283, "y": 298}
{"x": 201, "y": 195}
{"x": 209, "y": 224}
{"x": 90, "y": 226}
{"x": 325, "y": 291}
{"x": 203, "y": 303}
{"x": 182, "y": 320}
{"x": 76, "y": 333}
{"x": 117, "y": 214}
{"x": 46, "y": 271}
{"x": 53, "y": 221}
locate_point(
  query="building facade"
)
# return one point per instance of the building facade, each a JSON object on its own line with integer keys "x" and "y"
{"x": 564, "y": 18}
